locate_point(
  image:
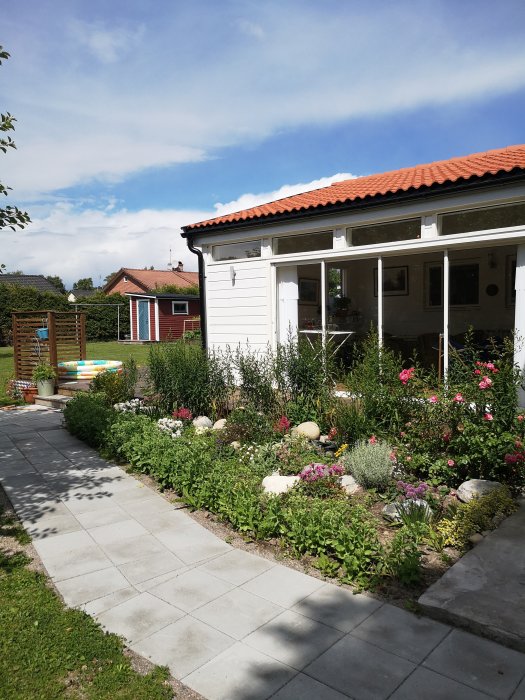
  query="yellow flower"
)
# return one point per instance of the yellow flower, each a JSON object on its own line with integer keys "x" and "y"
{"x": 342, "y": 449}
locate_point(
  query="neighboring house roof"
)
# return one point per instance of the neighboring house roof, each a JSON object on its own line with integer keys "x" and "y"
{"x": 439, "y": 173}
{"x": 151, "y": 279}
{"x": 162, "y": 295}
{"x": 37, "y": 281}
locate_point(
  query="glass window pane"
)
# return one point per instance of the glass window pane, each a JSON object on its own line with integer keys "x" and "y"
{"x": 304, "y": 243}
{"x": 435, "y": 285}
{"x": 237, "y": 251}
{"x": 483, "y": 219}
{"x": 387, "y": 233}
{"x": 464, "y": 284}
{"x": 179, "y": 307}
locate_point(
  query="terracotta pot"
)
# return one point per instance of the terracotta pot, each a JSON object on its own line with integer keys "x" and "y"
{"x": 29, "y": 394}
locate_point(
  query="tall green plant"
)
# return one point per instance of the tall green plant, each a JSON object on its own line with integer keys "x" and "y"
{"x": 255, "y": 375}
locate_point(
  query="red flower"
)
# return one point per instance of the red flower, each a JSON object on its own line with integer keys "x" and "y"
{"x": 372, "y": 440}
{"x": 282, "y": 425}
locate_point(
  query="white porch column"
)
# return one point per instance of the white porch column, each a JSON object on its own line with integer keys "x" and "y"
{"x": 519, "y": 316}
{"x": 288, "y": 297}
{"x": 446, "y": 313}
{"x": 323, "y": 301}
{"x": 380, "y": 301}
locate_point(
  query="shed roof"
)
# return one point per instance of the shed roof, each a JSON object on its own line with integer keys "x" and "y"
{"x": 371, "y": 187}
{"x": 36, "y": 281}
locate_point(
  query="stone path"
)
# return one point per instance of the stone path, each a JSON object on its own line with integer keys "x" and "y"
{"x": 229, "y": 624}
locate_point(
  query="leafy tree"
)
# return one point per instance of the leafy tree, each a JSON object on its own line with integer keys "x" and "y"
{"x": 18, "y": 273}
{"x": 175, "y": 289}
{"x": 110, "y": 277}
{"x": 57, "y": 282}
{"x": 84, "y": 283}
{"x": 10, "y": 217}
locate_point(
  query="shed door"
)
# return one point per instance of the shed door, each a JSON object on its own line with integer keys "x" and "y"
{"x": 143, "y": 316}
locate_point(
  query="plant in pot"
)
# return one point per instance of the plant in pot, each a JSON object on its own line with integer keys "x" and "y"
{"x": 44, "y": 375}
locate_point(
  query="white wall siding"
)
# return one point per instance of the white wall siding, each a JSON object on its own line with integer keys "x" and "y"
{"x": 239, "y": 312}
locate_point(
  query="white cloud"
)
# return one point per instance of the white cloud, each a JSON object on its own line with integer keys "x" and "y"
{"x": 177, "y": 82}
{"x": 72, "y": 243}
{"x": 248, "y": 200}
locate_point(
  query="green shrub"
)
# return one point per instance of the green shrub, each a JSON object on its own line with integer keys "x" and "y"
{"x": 89, "y": 418}
{"x": 484, "y": 513}
{"x": 185, "y": 375}
{"x": 116, "y": 387}
{"x": 244, "y": 424}
{"x": 370, "y": 463}
{"x": 255, "y": 375}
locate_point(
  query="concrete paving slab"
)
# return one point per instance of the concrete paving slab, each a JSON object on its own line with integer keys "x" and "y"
{"x": 161, "y": 521}
{"x": 191, "y": 590}
{"x": 293, "y": 639}
{"x": 105, "y": 534}
{"x": 360, "y": 669}
{"x": 426, "y": 684}
{"x": 108, "y": 515}
{"x": 283, "y": 586}
{"x": 151, "y": 566}
{"x": 237, "y": 567}
{"x": 133, "y": 549}
{"x": 519, "y": 694}
{"x": 184, "y": 645}
{"x": 82, "y": 589}
{"x": 64, "y": 544}
{"x": 478, "y": 663}
{"x": 401, "y": 632}
{"x": 485, "y": 590}
{"x": 76, "y": 562}
{"x": 337, "y": 607}
{"x": 51, "y": 526}
{"x": 237, "y": 613}
{"x": 239, "y": 673}
{"x": 139, "y": 617}
{"x": 194, "y": 544}
{"x": 303, "y": 687}
{"x": 106, "y": 602}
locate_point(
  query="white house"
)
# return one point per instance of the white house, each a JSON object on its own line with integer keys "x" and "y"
{"x": 418, "y": 252}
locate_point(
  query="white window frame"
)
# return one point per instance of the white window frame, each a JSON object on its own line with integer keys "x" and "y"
{"x": 179, "y": 313}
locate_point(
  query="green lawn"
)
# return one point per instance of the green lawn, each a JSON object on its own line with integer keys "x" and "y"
{"x": 94, "y": 351}
{"x": 49, "y": 651}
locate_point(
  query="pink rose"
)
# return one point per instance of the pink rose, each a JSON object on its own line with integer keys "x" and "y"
{"x": 458, "y": 398}
{"x": 406, "y": 374}
{"x": 477, "y": 371}
{"x": 485, "y": 383}
{"x": 451, "y": 463}
{"x": 488, "y": 416}
{"x": 433, "y": 399}
{"x": 372, "y": 440}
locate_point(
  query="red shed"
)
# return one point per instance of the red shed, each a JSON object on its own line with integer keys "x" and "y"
{"x": 156, "y": 317}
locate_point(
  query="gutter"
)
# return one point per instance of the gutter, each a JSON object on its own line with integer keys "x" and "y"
{"x": 202, "y": 289}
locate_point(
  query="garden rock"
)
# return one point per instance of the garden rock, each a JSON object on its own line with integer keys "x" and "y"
{"x": 276, "y": 483}
{"x": 476, "y": 538}
{"x": 309, "y": 429}
{"x": 349, "y": 484}
{"x": 474, "y": 488}
{"x": 202, "y": 422}
{"x": 219, "y": 424}
{"x": 391, "y": 512}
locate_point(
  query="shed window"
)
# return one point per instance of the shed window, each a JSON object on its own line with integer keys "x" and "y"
{"x": 305, "y": 243}
{"x": 483, "y": 219}
{"x": 179, "y": 308}
{"x": 237, "y": 251}
{"x": 406, "y": 230}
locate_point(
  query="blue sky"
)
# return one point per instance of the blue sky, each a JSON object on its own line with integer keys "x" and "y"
{"x": 135, "y": 118}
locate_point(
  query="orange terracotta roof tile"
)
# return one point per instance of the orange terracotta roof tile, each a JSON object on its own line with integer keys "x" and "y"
{"x": 413, "y": 178}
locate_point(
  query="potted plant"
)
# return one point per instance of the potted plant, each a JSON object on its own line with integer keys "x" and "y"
{"x": 44, "y": 375}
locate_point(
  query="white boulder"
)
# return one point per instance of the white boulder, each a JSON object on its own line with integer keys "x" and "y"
{"x": 309, "y": 429}
{"x": 219, "y": 424}
{"x": 349, "y": 484}
{"x": 474, "y": 488}
{"x": 276, "y": 484}
{"x": 202, "y": 422}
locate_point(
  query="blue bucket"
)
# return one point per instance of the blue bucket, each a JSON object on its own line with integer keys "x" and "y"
{"x": 42, "y": 333}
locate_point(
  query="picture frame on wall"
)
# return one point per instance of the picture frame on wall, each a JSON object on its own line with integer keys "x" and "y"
{"x": 395, "y": 281}
{"x": 309, "y": 291}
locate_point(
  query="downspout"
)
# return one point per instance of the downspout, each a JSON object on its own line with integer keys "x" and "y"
{"x": 202, "y": 289}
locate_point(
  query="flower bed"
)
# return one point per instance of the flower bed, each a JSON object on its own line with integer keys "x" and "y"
{"x": 396, "y": 445}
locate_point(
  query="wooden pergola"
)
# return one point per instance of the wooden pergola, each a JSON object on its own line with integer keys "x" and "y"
{"x": 47, "y": 336}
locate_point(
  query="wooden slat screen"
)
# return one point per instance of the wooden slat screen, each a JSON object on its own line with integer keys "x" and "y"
{"x": 66, "y": 339}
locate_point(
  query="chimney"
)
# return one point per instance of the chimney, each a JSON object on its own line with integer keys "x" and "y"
{"x": 180, "y": 267}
